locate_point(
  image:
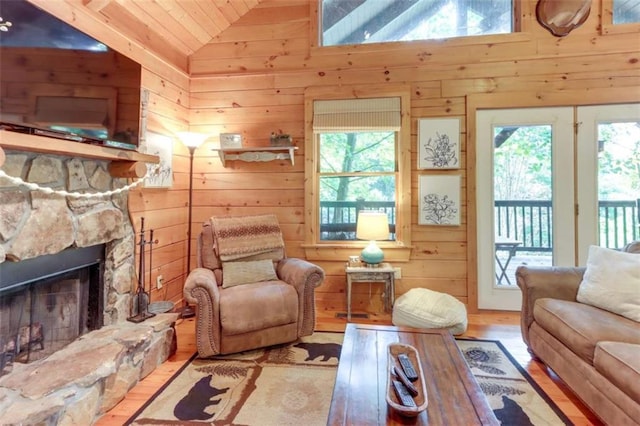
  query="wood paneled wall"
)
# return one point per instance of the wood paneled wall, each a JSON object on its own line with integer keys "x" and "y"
{"x": 251, "y": 80}
{"x": 166, "y": 210}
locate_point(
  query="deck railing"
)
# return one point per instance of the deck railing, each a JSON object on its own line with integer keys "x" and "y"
{"x": 528, "y": 221}
{"x": 338, "y": 218}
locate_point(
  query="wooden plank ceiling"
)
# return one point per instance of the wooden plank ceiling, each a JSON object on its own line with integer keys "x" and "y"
{"x": 172, "y": 30}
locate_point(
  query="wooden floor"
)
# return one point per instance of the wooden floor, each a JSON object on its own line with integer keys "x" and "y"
{"x": 490, "y": 325}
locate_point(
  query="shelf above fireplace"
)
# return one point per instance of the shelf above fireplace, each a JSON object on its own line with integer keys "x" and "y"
{"x": 32, "y": 143}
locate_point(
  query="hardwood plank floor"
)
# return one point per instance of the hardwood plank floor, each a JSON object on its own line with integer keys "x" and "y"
{"x": 503, "y": 326}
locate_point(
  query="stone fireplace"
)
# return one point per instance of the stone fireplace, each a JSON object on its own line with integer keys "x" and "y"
{"x": 88, "y": 374}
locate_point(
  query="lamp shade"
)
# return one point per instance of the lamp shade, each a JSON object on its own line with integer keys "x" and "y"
{"x": 372, "y": 226}
{"x": 191, "y": 139}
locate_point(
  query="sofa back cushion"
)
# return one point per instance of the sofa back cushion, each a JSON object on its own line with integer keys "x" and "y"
{"x": 612, "y": 282}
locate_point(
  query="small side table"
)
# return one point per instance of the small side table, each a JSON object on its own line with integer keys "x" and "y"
{"x": 364, "y": 274}
{"x": 510, "y": 246}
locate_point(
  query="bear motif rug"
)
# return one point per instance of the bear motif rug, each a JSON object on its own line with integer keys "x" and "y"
{"x": 292, "y": 384}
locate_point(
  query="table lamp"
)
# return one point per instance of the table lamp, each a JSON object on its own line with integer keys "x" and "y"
{"x": 372, "y": 226}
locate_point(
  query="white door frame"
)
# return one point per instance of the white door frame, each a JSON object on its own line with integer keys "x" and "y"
{"x": 490, "y": 295}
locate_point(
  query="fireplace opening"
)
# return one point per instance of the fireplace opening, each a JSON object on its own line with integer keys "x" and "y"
{"x": 48, "y": 302}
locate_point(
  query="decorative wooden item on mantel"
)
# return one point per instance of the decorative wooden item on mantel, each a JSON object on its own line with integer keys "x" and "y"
{"x": 266, "y": 153}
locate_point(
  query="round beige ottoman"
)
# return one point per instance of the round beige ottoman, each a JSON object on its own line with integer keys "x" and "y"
{"x": 424, "y": 308}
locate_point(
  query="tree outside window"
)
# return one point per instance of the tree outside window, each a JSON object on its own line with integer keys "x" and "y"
{"x": 357, "y": 172}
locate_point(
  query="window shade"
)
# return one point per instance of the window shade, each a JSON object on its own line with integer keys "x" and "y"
{"x": 355, "y": 115}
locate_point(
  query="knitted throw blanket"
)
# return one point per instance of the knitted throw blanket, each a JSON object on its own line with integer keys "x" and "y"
{"x": 243, "y": 236}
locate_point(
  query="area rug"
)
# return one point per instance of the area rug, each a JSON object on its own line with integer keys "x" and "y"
{"x": 292, "y": 385}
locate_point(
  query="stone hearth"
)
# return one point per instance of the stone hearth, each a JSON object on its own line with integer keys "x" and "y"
{"x": 87, "y": 378}
{"x": 83, "y": 380}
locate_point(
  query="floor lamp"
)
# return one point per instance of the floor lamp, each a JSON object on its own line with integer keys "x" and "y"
{"x": 192, "y": 141}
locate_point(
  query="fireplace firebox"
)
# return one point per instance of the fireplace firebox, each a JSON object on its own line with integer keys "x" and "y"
{"x": 48, "y": 302}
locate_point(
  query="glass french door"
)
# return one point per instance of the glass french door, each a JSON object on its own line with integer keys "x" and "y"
{"x": 551, "y": 182}
{"x": 608, "y": 173}
{"x": 525, "y": 197}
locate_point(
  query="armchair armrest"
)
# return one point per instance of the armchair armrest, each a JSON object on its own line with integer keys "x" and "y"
{"x": 305, "y": 277}
{"x": 554, "y": 282}
{"x": 202, "y": 290}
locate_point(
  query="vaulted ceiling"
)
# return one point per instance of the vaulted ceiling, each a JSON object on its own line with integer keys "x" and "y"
{"x": 181, "y": 26}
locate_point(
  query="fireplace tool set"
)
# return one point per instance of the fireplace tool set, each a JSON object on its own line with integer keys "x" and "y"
{"x": 140, "y": 302}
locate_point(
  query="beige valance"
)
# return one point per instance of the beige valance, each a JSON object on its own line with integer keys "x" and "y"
{"x": 344, "y": 115}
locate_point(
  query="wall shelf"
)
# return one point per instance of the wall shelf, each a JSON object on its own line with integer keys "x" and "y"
{"x": 266, "y": 153}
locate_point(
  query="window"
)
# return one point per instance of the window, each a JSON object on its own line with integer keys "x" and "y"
{"x": 357, "y": 158}
{"x": 620, "y": 16}
{"x": 376, "y": 21}
{"x": 357, "y": 172}
{"x": 626, "y": 12}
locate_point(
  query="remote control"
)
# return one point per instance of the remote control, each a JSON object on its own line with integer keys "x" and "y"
{"x": 407, "y": 367}
{"x": 405, "y": 381}
{"x": 403, "y": 394}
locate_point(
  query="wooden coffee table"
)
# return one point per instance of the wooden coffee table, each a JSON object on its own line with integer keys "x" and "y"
{"x": 360, "y": 389}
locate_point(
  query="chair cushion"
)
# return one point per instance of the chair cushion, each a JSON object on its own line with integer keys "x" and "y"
{"x": 619, "y": 362}
{"x": 612, "y": 282}
{"x": 424, "y": 308}
{"x": 237, "y": 273}
{"x": 257, "y": 306}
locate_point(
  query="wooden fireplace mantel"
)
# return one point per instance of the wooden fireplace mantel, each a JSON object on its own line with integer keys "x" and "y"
{"x": 124, "y": 163}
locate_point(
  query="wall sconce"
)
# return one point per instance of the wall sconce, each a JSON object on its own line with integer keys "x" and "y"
{"x": 191, "y": 141}
{"x": 372, "y": 226}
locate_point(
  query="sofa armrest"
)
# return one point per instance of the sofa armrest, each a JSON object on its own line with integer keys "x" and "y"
{"x": 202, "y": 290}
{"x": 305, "y": 277}
{"x": 556, "y": 282}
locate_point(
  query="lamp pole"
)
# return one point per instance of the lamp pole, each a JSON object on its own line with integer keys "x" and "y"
{"x": 187, "y": 310}
{"x": 192, "y": 141}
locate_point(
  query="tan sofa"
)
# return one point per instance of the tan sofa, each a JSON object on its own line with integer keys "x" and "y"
{"x": 595, "y": 352}
{"x": 229, "y": 319}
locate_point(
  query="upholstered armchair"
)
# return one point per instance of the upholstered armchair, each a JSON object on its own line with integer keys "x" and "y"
{"x": 247, "y": 293}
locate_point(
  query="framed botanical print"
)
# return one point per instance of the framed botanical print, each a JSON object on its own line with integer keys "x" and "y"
{"x": 438, "y": 143}
{"x": 159, "y": 175}
{"x": 439, "y": 200}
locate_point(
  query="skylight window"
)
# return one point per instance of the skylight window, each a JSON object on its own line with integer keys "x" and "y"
{"x": 377, "y": 21}
{"x": 626, "y": 12}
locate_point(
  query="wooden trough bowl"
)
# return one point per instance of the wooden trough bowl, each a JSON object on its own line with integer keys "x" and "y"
{"x": 392, "y": 399}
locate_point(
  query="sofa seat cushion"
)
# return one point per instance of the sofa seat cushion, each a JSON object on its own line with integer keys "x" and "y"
{"x": 258, "y": 306}
{"x": 580, "y": 327}
{"x": 620, "y": 363}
